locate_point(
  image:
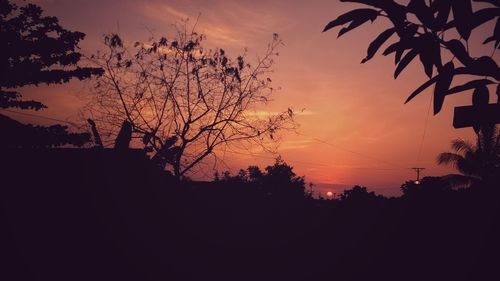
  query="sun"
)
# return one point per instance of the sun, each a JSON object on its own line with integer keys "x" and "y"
{"x": 329, "y": 194}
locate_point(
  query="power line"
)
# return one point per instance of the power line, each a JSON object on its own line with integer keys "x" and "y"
{"x": 353, "y": 152}
{"x": 425, "y": 130}
{"x": 314, "y": 163}
{"x": 273, "y": 158}
{"x": 40, "y": 117}
{"x": 253, "y": 155}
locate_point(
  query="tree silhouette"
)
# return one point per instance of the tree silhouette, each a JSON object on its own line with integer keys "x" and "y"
{"x": 278, "y": 179}
{"x": 478, "y": 162}
{"x": 430, "y": 187}
{"x": 282, "y": 180}
{"x": 35, "y": 49}
{"x": 426, "y": 29}
{"x": 185, "y": 101}
{"x": 357, "y": 194}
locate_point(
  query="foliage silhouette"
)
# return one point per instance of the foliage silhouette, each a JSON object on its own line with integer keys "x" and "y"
{"x": 184, "y": 100}
{"x": 35, "y": 49}
{"x": 428, "y": 187}
{"x": 357, "y": 194}
{"x": 29, "y": 136}
{"x": 425, "y": 29}
{"x": 277, "y": 180}
{"x": 477, "y": 162}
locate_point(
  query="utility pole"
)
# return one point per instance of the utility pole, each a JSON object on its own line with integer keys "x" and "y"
{"x": 418, "y": 169}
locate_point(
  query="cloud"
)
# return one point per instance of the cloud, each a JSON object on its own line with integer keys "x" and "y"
{"x": 229, "y": 23}
{"x": 295, "y": 144}
{"x": 263, "y": 113}
{"x": 168, "y": 14}
{"x": 160, "y": 12}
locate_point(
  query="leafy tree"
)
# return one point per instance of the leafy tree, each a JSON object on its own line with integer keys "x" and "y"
{"x": 240, "y": 178}
{"x": 357, "y": 194}
{"x": 278, "y": 179}
{"x": 426, "y": 29}
{"x": 281, "y": 179}
{"x": 185, "y": 101}
{"x": 477, "y": 162}
{"x": 428, "y": 186}
{"x": 254, "y": 173}
{"x": 35, "y": 49}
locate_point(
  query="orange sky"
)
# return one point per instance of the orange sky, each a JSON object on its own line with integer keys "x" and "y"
{"x": 352, "y": 107}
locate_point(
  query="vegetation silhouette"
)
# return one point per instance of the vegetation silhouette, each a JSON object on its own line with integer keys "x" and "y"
{"x": 116, "y": 214}
{"x": 35, "y": 49}
{"x": 426, "y": 29}
{"x": 278, "y": 180}
{"x": 186, "y": 101}
{"x": 479, "y": 162}
{"x": 30, "y": 136}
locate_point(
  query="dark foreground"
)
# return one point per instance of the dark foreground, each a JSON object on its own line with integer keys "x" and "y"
{"x": 66, "y": 216}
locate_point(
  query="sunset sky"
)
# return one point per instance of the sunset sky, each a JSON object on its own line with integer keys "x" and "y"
{"x": 355, "y": 127}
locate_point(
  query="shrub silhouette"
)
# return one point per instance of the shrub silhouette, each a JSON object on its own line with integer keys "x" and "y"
{"x": 20, "y": 135}
{"x": 277, "y": 180}
{"x": 428, "y": 186}
{"x": 357, "y": 194}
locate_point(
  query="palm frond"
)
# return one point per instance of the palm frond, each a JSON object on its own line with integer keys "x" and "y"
{"x": 449, "y": 158}
{"x": 479, "y": 160}
{"x": 460, "y": 145}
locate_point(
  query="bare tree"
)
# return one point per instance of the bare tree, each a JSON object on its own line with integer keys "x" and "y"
{"x": 185, "y": 101}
